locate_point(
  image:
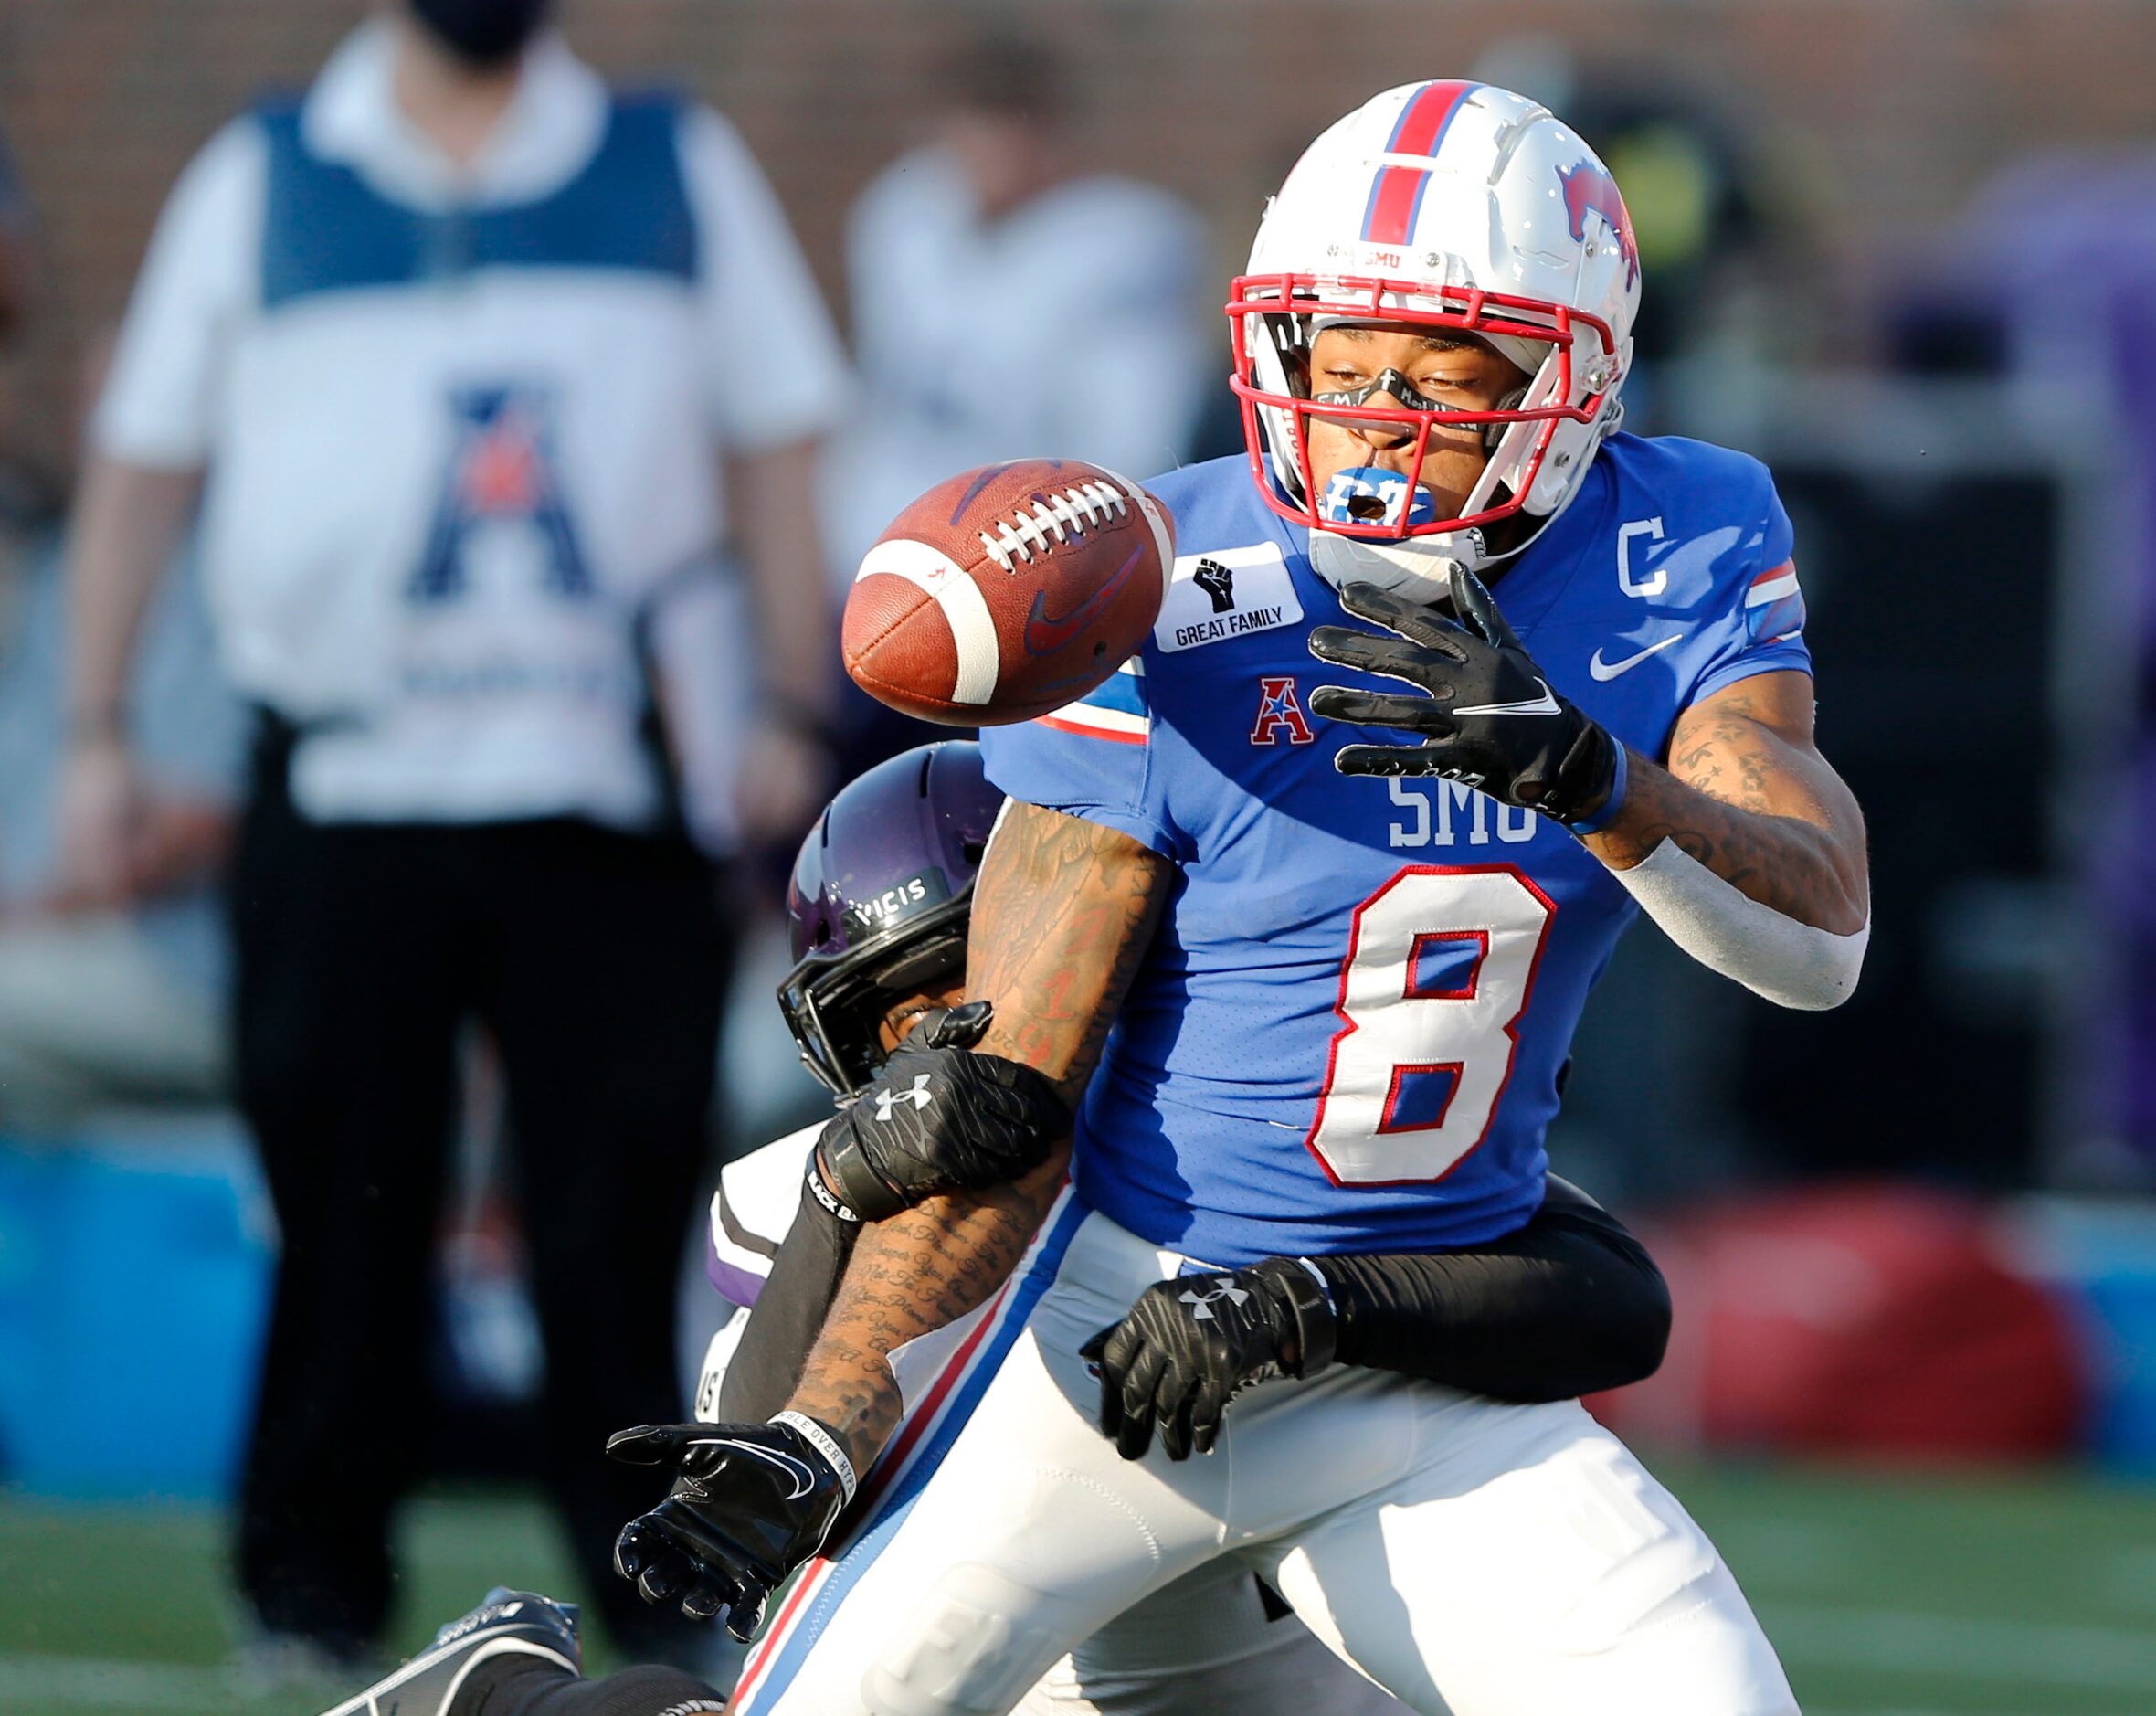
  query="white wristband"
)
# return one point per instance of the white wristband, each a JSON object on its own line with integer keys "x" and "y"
{"x": 1791, "y": 964}
{"x": 824, "y": 1195}
{"x": 822, "y": 1442}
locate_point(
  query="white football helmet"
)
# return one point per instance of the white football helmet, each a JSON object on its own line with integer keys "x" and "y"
{"x": 1445, "y": 204}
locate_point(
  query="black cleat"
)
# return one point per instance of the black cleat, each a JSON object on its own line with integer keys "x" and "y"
{"x": 506, "y": 1622}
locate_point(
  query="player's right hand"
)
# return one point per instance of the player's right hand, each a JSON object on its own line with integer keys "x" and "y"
{"x": 940, "y": 1117}
{"x": 750, "y": 1504}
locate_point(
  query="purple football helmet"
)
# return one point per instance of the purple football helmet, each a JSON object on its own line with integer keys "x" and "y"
{"x": 879, "y": 902}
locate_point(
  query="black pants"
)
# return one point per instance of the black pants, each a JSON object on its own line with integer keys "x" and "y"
{"x": 598, "y": 962}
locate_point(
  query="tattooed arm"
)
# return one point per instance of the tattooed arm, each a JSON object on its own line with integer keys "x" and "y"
{"x": 1746, "y": 794}
{"x": 1062, "y": 912}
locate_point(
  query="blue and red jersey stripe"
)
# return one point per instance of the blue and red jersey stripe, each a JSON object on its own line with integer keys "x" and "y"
{"x": 1116, "y": 709}
{"x": 1774, "y": 605}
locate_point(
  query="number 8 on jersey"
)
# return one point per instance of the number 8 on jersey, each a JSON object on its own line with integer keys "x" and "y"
{"x": 1441, "y": 965}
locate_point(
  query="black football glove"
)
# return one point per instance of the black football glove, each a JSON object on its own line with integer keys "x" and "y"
{"x": 937, "y": 1117}
{"x": 1189, "y": 1345}
{"x": 1489, "y": 717}
{"x": 750, "y": 1504}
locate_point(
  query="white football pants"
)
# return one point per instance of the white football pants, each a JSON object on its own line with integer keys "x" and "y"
{"x": 1473, "y": 1558}
{"x": 1204, "y": 1646}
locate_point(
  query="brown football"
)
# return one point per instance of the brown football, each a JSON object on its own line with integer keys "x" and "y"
{"x": 1007, "y": 591}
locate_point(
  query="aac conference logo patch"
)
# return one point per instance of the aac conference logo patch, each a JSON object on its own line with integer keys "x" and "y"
{"x": 1280, "y": 712}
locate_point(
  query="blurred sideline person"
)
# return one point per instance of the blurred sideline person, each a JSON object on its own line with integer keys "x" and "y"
{"x": 879, "y": 904}
{"x": 111, "y": 992}
{"x": 458, "y": 341}
{"x": 960, "y": 251}
{"x": 957, "y": 255}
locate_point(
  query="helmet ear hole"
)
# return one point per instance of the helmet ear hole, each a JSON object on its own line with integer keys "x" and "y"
{"x": 1495, "y": 432}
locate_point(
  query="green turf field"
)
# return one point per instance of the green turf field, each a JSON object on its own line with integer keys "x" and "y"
{"x": 1889, "y": 1596}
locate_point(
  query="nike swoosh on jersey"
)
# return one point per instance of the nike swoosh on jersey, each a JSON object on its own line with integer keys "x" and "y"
{"x": 1547, "y": 703}
{"x": 804, "y": 1479}
{"x": 1609, "y": 670}
{"x": 1045, "y": 635}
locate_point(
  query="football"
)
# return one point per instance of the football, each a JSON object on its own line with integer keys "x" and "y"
{"x": 1007, "y": 591}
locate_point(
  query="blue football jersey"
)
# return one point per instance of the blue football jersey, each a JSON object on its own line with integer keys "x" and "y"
{"x": 1347, "y": 1033}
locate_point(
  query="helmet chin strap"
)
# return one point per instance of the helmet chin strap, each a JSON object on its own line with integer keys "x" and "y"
{"x": 1416, "y": 567}
{"x": 1420, "y": 567}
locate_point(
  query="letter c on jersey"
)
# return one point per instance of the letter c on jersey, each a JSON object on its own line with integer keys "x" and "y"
{"x": 1654, "y": 583}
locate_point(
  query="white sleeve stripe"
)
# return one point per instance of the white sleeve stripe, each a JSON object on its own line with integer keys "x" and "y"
{"x": 1084, "y": 717}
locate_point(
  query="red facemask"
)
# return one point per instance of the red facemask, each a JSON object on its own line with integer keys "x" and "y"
{"x": 1262, "y": 304}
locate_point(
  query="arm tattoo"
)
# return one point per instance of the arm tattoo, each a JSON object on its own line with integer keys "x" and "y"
{"x": 1062, "y": 913}
{"x": 909, "y": 1276}
{"x": 1746, "y": 794}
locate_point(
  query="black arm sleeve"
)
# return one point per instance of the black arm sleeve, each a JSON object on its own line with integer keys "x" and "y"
{"x": 787, "y": 1315}
{"x": 1568, "y": 1304}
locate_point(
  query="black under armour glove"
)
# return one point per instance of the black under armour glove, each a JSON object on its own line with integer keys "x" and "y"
{"x": 750, "y": 1504}
{"x": 1488, "y": 715}
{"x": 937, "y": 1117}
{"x": 1189, "y": 1345}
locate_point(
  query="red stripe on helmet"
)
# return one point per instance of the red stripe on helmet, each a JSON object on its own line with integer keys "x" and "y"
{"x": 1422, "y": 121}
{"x": 1393, "y": 201}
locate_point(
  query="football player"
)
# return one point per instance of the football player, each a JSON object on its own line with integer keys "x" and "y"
{"x": 1306, "y": 950}
{"x": 879, "y": 906}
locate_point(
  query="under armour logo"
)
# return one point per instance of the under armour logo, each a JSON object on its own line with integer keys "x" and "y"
{"x": 1205, "y": 1301}
{"x": 1218, "y": 582}
{"x": 920, "y": 1097}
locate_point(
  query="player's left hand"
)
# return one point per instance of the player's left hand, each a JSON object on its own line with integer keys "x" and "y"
{"x": 939, "y": 1117}
{"x": 1192, "y": 1344}
{"x": 750, "y": 1504}
{"x": 1488, "y": 715}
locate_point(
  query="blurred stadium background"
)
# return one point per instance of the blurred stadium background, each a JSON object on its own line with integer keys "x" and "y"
{"x": 1905, "y": 250}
